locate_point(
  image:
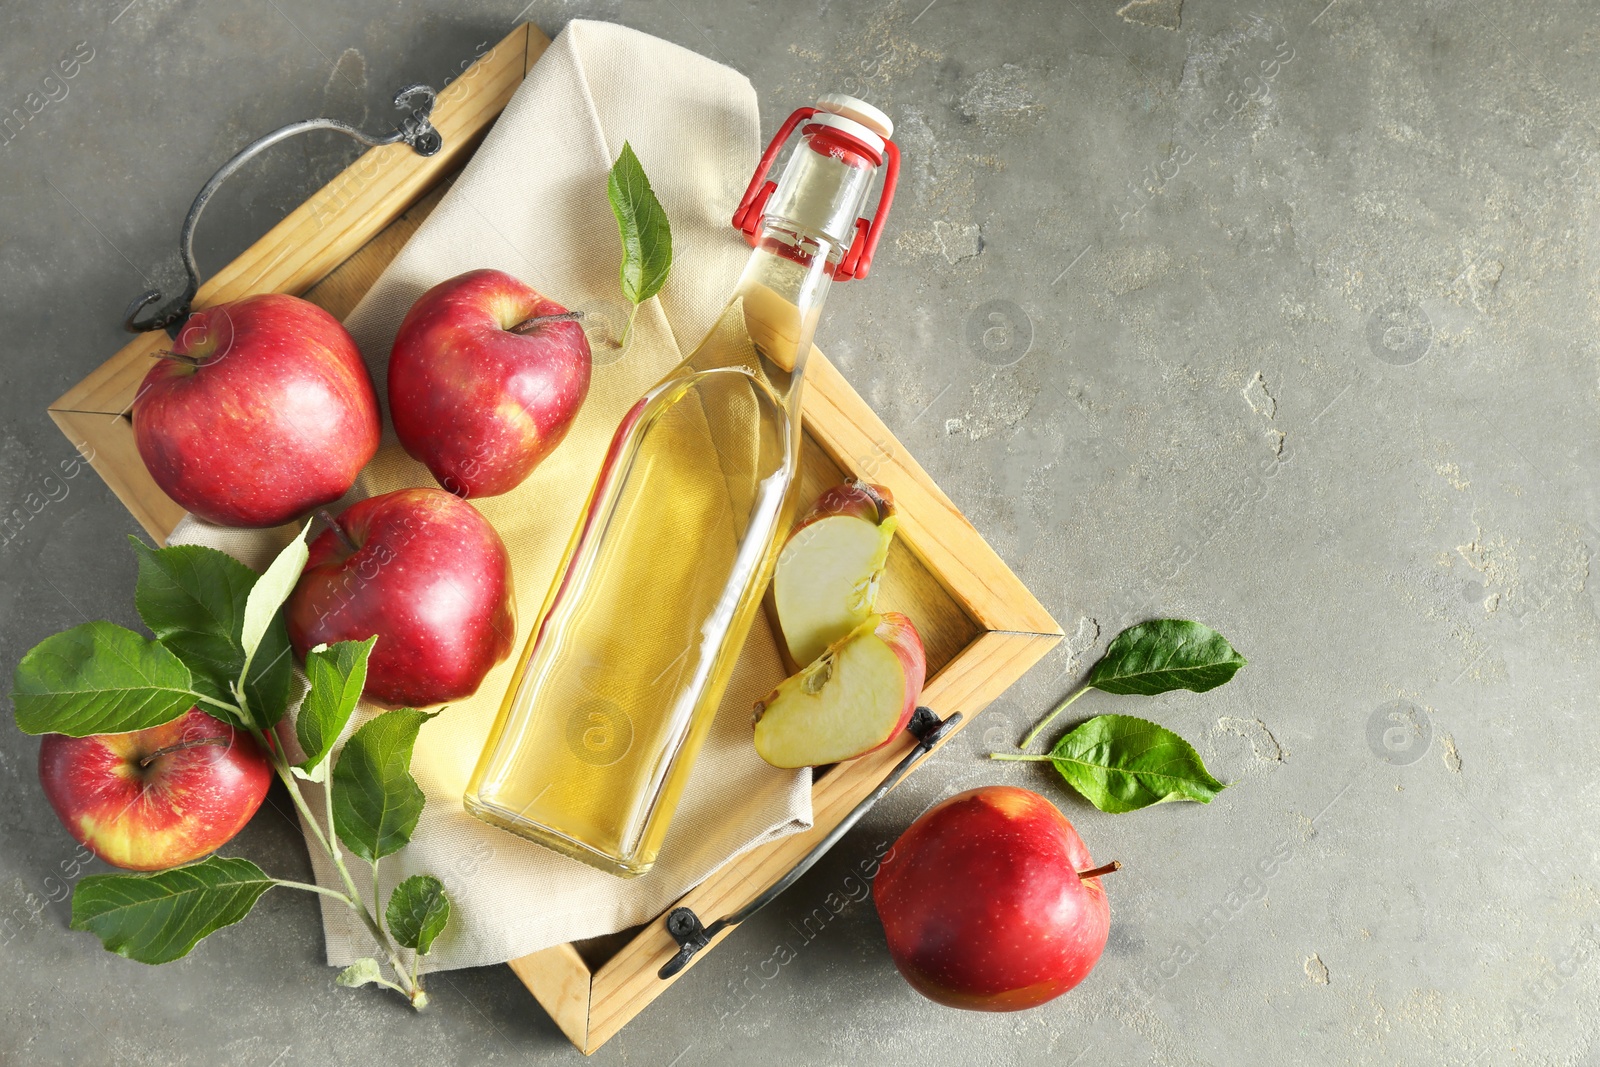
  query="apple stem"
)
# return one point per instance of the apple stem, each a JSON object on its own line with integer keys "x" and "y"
{"x": 1098, "y": 871}
{"x": 167, "y": 353}
{"x": 338, "y": 531}
{"x": 877, "y": 499}
{"x": 529, "y": 325}
{"x": 181, "y": 745}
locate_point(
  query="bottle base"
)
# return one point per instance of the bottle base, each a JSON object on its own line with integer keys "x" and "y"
{"x": 510, "y": 822}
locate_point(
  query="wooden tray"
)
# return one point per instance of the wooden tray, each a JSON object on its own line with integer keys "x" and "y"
{"x": 981, "y": 626}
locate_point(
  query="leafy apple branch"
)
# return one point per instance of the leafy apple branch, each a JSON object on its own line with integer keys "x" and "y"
{"x": 220, "y": 644}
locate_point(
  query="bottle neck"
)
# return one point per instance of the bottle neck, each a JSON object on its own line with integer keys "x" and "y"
{"x": 806, "y": 224}
{"x": 804, "y": 230}
{"x": 784, "y": 285}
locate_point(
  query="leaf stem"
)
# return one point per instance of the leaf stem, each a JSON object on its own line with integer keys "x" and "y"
{"x": 327, "y": 796}
{"x": 280, "y": 765}
{"x": 239, "y": 695}
{"x": 1020, "y": 757}
{"x": 311, "y": 887}
{"x": 224, "y": 705}
{"x": 1050, "y": 718}
{"x": 352, "y": 896}
{"x": 627, "y": 331}
{"x": 412, "y": 991}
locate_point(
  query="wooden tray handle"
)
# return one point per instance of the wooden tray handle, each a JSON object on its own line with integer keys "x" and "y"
{"x": 415, "y": 129}
{"x": 692, "y": 935}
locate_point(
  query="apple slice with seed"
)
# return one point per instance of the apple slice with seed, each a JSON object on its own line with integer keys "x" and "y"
{"x": 826, "y": 582}
{"x": 853, "y": 698}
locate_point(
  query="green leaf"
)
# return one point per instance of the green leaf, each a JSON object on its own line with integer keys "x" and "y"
{"x": 271, "y": 590}
{"x": 418, "y": 911}
{"x": 376, "y": 802}
{"x": 157, "y": 918}
{"x": 337, "y": 674}
{"x": 646, "y": 237}
{"x": 1165, "y": 654}
{"x": 99, "y": 678}
{"x": 193, "y": 599}
{"x": 1121, "y": 763}
{"x": 360, "y": 973}
{"x": 271, "y": 675}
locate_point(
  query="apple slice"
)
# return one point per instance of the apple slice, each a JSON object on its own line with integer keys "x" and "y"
{"x": 826, "y": 582}
{"x": 853, "y": 698}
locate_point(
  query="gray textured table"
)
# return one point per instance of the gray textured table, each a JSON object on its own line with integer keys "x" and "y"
{"x": 1283, "y": 319}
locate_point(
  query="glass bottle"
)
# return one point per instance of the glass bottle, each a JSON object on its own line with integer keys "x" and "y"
{"x": 664, "y": 573}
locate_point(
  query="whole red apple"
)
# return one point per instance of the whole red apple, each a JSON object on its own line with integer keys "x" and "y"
{"x": 429, "y": 576}
{"x": 262, "y": 412}
{"x": 984, "y": 902}
{"x": 485, "y": 378}
{"x": 155, "y": 798}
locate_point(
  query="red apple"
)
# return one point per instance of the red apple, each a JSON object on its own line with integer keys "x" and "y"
{"x": 262, "y": 412}
{"x": 850, "y": 700}
{"x": 429, "y": 576}
{"x": 826, "y": 581}
{"x": 990, "y": 903}
{"x": 485, "y": 379}
{"x": 155, "y": 798}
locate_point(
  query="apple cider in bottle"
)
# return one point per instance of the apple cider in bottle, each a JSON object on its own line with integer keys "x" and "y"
{"x": 665, "y": 571}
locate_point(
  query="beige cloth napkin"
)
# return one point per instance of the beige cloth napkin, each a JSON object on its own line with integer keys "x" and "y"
{"x": 532, "y": 202}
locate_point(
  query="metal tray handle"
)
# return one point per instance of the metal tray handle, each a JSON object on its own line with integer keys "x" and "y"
{"x": 692, "y": 935}
{"x": 416, "y": 130}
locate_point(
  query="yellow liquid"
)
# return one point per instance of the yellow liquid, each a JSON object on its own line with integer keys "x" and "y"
{"x": 636, "y": 642}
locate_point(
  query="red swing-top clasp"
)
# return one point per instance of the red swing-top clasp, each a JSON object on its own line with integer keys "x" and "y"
{"x": 828, "y": 137}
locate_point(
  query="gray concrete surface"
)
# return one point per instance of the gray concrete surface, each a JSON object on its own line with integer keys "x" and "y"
{"x": 1283, "y": 319}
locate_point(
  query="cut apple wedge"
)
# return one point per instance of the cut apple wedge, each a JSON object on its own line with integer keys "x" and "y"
{"x": 853, "y": 698}
{"x": 826, "y": 582}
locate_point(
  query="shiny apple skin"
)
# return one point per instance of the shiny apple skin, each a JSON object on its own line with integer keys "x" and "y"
{"x": 896, "y": 631}
{"x": 982, "y": 905}
{"x": 861, "y": 500}
{"x": 276, "y": 421}
{"x": 185, "y": 805}
{"x": 429, "y": 577}
{"x": 481, "y": 406}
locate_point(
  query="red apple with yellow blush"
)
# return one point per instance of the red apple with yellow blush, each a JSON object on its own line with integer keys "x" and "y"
{"x": 155, "y": 798}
